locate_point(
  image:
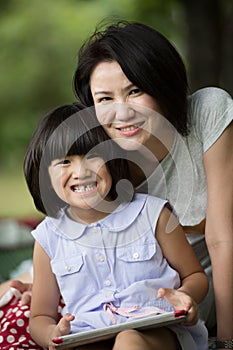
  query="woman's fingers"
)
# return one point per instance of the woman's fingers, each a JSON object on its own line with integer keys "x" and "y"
{"x": 21, "y": 286}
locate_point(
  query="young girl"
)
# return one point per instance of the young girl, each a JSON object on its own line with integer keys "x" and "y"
{"x": 102, "y": 248}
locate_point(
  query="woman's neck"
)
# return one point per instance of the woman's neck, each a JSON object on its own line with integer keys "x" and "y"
{"x": 144, "y": 161}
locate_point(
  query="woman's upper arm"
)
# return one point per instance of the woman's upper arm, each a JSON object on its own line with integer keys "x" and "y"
{"x": 218, "y": 163}
{"x": 45, "y": 291}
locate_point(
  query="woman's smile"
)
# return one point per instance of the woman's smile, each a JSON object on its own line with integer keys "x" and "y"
{"x": 122, "y": 108}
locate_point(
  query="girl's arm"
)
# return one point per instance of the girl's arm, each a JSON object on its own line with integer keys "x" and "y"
{"x": 180, "y": 255}
{"x": 218, "y": 162}
{"x": 45, "y": 300}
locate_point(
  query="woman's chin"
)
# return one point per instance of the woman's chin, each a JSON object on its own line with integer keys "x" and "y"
{"x": 128, "y": 144}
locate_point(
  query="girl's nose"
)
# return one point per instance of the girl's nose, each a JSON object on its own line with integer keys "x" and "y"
{"x": 80, "y": 170}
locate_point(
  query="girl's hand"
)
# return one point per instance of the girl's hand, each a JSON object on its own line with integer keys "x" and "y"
{"x": 181, "y": 301}
{"x": 62, "y": 328}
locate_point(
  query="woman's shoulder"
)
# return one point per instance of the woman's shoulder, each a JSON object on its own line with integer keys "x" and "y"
{"x": 210, "y": 98}
{"x": 209, "y": 113}
{"x": 210, "y": 92}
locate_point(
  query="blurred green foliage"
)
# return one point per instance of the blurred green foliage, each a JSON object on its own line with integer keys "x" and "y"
{"x": 39, "y": 46}
{"x": 39, "y": 42}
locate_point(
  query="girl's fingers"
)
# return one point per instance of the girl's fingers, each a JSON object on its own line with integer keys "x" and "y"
{"x": 180, "y": 300}
{"x": 64, "y": 323}
{"x": 173, "y": 296}
{"x": 177, "y": 298}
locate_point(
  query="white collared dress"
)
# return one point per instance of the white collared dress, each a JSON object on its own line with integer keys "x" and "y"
{"x": 117, "y": 261}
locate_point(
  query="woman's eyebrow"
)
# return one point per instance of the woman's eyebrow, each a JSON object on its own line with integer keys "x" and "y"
{"x": 105, "y": 92}
{"x": 102, "y": 92}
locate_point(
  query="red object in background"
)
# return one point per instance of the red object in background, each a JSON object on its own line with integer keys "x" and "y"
{"x": 14, "y": 329}
{"x": 14, "y": 323}
{"x": 29, "y": 222}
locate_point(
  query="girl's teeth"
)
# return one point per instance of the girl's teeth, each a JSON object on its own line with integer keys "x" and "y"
{"x": 84, "y": 188}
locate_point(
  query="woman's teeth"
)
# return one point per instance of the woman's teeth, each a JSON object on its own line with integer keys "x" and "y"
{"x": 129, "y": 128}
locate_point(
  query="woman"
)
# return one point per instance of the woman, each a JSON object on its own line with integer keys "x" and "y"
{"x": 133, "y": 76}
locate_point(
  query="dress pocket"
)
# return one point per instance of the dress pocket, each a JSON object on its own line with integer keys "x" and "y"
{"x": 67, "y": 266}
{"x": 136, "y": 253}
{"x": 137, "y": 262}
{"x": 73, "y": 277}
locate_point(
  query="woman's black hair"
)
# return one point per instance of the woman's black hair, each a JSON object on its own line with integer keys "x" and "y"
{"x": 65, "y": 131}
{"x": 147, "y": 59}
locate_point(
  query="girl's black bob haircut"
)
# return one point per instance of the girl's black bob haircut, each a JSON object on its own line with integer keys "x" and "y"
{"x": 65, "y": 131}
{"x": 147, "y": 59}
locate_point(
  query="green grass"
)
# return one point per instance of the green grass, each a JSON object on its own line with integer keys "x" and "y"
{"x": 16, "y": 201}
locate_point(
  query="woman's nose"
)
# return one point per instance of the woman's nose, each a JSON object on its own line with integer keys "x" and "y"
{"x": 124, "y": 112}
{"x": 115, "y": 112}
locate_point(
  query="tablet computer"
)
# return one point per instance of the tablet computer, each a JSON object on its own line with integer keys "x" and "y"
{"x": 78, "y": 339}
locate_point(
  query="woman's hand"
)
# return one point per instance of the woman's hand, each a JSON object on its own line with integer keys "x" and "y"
{"x": 181, "y": 301}
{"x": 62, "y": 328}
{"x": 25, "y": 289}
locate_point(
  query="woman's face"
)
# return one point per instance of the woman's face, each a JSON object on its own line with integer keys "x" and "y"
{"x": 126, "y": 113}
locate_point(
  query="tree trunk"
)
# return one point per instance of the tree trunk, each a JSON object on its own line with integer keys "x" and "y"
{"x": 227, "y": 52}
{"x": 209, "y": 43}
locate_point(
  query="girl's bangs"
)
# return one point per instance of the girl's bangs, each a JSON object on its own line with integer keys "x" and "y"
{"x": 67, "y": 141}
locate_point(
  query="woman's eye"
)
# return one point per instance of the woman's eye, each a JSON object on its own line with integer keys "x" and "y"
{"x": 104, "y": 99}
{"x": 135, "y": 91}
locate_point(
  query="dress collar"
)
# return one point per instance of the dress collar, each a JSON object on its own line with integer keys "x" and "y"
{"x": 119, "y": 220}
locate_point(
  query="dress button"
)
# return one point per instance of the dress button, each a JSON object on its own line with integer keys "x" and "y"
{"x": 107, "y": 283}
{"x": 68, "y": 268}
{"x": 136, "y": 255}
{"x": 101, "y": 258}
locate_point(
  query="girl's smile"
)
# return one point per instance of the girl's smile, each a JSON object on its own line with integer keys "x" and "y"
{"x": 85, "y": 188}
{"x": 80, "y": 181}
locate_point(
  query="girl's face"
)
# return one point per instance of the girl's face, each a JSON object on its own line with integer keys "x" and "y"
{"x": 126, "y": 113}
{"x": 81, "y": 181}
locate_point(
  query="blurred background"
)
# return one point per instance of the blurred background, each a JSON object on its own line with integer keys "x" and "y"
{"x": 39, "y": 42}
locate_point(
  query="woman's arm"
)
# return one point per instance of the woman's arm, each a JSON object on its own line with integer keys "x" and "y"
{"x": 218, "y": 162}
{"x": 45, "y": 298}
{"x": 23, "y": 283}
{"x": 180, "y": 255}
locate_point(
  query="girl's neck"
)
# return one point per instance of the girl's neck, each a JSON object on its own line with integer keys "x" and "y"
{"x": 89, "y": 216}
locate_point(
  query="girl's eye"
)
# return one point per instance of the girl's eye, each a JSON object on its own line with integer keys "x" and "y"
{"x": 63, "y": 162}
